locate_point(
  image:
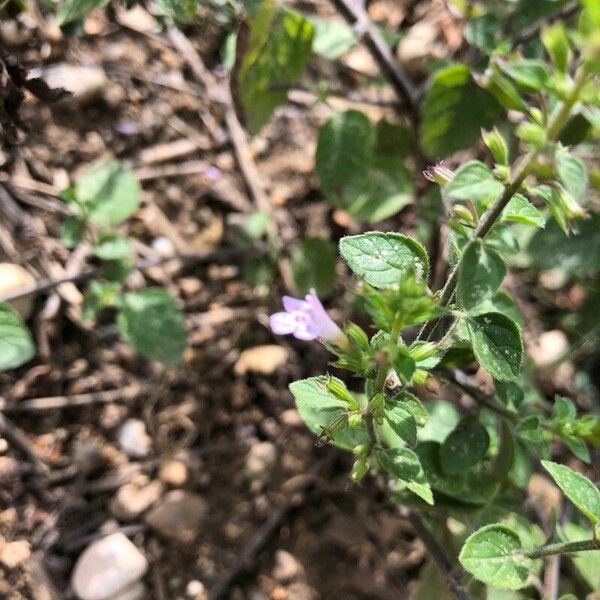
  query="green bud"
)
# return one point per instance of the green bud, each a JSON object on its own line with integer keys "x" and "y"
{"x": 330, "y": 431}
{"x": 464, "y": 214}
{"x": 355, "y": 421}
{"x": 532, "y": 134}
{"x": 496, "y": 145}
{"x": 359, "y": 470}
{"x": 361, "y": 450}
{"x": 421, "y": 351}
{"x": 357, "y": 336}
{"x": 502, "y": 89}
{"x": 339, "y": 390}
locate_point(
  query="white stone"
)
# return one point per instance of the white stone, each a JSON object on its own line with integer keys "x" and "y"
{"x": 132, "y": 500}
{"x": 14, "y": 553}
{"x": 108, "y": 569}
{"x": 260, "y": 460}
{"x": 134, "y": 439}
{"x": 13, "y": 278}
{"x": 196, "y": 590}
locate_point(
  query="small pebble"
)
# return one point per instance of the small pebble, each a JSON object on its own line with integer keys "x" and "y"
{"x": 196, "y": 590}
{"x": 13, "y": 554}
{"x": 134, "y": 439}
{"x": 173, "y": 473}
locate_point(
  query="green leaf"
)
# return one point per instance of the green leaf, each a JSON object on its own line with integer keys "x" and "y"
{"x": 344, "y": 148}
{"x": 153, "y": 324}
{"x": 572, "y": 173}
{"x": 480, "y": 274}
{"x": 576, "y": 255}
{"x": 332, "y": 37}
{"x": 401, "y": 420}
{"x": 529, "y": 74}
{"x": 475, "y": 182}
{"x": 491, "y": 555}
{"x": 113, "y": 247}
{"x": 414, "y": 405}
{"x": 278, "y": 48}
{"x": 520, "y": 210}
{"x": 319, "y": 407}
{"x": 358, "y": 170}
{"x": 502, "y": 302}
{"x": 404, "y": 464}
{"x": 99, "y": 295}
{"x": 107, "y": 193}
{"x": 74, "y": 10}
{"x": 466, "y": 446}
{"x": 443, "y": 417}
{"x": 72, "y": 230}
{"x": 180, "y": 10}
{"x": 577, "y": 488}
{"x": 383, "y": 258}
{"x": 497, "y": 345}
{"x": 556, "y": 42}
{"x": 453, "y": 111}
{"x": 16, "y": 345}
{"x": 313, "y": 265}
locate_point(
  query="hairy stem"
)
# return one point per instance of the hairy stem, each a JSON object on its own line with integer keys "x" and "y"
{"x": 563, "y": 548}
{"x": 521, "y": 169}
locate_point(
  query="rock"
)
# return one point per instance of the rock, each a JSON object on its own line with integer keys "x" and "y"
{"x": 109, "y": 569}
{"x": 286, "y": 568}
{"x": 13, "y": 554}
{"x": 12, "y": 278}
{"x": 551, "y": 345}
{"x": 86, "y": 83}
{"x": 134, "y": 439}
{"x": 553, "y": 279}
{"x": 259, "y": 462}
{"x": 261, "y": 359}
{"x": 196, "y": 590}
{"x": 173, "y": 473}
{"x": 137, "y": 591}
{"x": 178, "y": 516}
{"x": 291, "y": 417}
{"x": 301, "y": 591}
{"x": 418, "y": 47}
{"x": 132, "y": 500}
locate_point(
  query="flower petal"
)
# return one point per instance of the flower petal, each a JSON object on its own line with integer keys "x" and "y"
{"x": 293, "y": 304}
{"x": 282, "y": 323}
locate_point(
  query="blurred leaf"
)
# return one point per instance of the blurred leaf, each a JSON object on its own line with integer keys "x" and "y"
{"x": 497, "y": 345}
{"x": 99, "y": 295}
{"x": 464, "y": 447}
{"x": 278, "y": 47}
{"x": 332, "y": 37}
{"x": 585, "y": 562}
{"x": 453, "y": 111}
{"x": 577, "y": 255}
{"x": 383, "y": 258}
{"x": 152, "y": 323}
{"x": 313, "y": 265}
{"x": 16, "y": 345}
{"x": 577, "y": 488}
{"x": 113, "y": 247}
{"x": 443, "y": 417}
{"x": 361, "y": 169}
{"x": 180, "y": 10}
{"x": 556, "y": 43}
{"x": 401, "y": 420}
{"x": 530, "y": 75}
{"x": 107, "y": 193}
{"x": 73, "y": 10}
{"x": 572, "y": 173}
{"x": 491, "y": 555}
{"x": 72, "y": 230}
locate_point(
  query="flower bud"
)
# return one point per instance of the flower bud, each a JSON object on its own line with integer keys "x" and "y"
{"x": 359, "y": 470}
{"x": 439, "y": 174}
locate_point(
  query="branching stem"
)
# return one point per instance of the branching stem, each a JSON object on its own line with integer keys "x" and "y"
{"x": 563, "y": 548}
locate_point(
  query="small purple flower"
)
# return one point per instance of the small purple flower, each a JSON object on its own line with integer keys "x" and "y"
{"x": 306, "y": 320}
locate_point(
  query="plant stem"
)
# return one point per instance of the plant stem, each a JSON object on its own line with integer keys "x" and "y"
{"x": 563, "y": 548}
{"x": 522, "y": 169}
